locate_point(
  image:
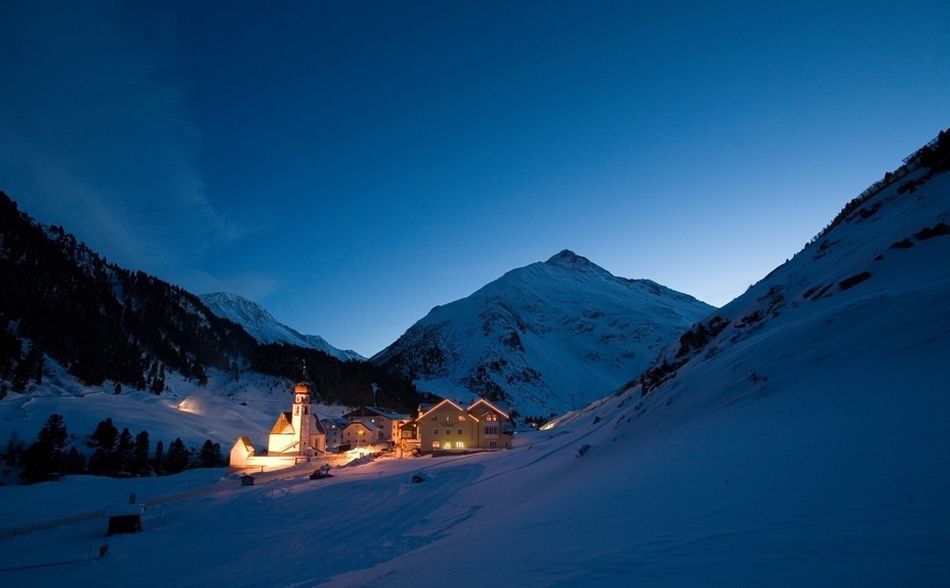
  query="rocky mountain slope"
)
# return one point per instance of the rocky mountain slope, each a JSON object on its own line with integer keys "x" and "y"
{"x": 544, "y": 337}
{"x": 261, "y": 325}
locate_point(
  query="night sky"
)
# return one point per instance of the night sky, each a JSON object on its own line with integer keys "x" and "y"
{"x": 352, "y": 164}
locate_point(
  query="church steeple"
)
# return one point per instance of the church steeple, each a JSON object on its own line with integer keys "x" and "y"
{"x": 302, "y": 416}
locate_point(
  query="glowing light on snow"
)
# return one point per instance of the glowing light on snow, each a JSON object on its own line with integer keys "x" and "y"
{"x": 190, "y": 404}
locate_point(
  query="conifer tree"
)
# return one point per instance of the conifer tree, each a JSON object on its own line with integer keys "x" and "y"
{"x": 210, "y": 455}
{"x": 158, "y": 462}
{"x": 45, "y": 455}
{"x": 125, "y": 450}
{"x": 141, "y": 454}
{"x": 54, "y": 434}
{"x": 178, "y": 457}
{"x": 104, "y": 437}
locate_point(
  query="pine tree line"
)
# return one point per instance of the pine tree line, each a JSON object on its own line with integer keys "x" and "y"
{"x": 113, "y": 453}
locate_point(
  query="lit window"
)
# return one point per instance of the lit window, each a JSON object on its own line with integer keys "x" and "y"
{"x": 435, "y": 445}
{"x": 461, "y": 417}
{"x": 459, "y": 445}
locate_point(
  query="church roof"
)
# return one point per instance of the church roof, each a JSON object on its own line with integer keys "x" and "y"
{"x": 283, "y": 426}
{"x": 317, "y": 427}
{"x": 245, "y": 441}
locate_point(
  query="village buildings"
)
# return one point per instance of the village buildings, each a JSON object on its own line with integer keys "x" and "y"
{"x": 299, "y": 435}
{"x": 387, "y": 423}
{"x": 447, "y": 426}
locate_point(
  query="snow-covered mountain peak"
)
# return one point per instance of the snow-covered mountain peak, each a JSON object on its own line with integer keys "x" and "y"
{"x": 568, "y": 258}
{"x": 545, "y": 336}
{"x": 261, "y": 325}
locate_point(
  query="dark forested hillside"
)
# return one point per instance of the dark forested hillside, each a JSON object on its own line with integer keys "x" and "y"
{"x": 60, "y": 299}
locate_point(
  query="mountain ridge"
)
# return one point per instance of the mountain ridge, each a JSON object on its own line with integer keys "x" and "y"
{"x": 262, "y": 325}
{"x": 543, "y": 336}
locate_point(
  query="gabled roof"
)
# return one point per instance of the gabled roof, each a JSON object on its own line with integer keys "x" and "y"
{"x": 283, "y": 426}
{"x": 489, "y": 405}
{"x": 245, "y": 441}
{"x": 369, "y": 411}
{"x": 435, "y": 407}
{"x": 364, "y": 424}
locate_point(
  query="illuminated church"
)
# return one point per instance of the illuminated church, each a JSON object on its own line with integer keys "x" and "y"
{"x": 299, "y": 430}
{"x": 297, "y": 436}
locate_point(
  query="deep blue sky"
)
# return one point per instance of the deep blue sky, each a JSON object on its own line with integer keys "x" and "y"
{"x": 352, "y": 164}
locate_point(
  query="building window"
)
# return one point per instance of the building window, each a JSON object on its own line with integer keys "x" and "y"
{"x": 448, "y": 431}
{"x": 435, "y": 431}
{"x": 434, "y": 419}
{"x": 461, "y": 417}
{"x": 435, "y": 445}
{"x": 493, "y": 444}
{"x": 459, "y": 445}
{"x": 460, "y": 431}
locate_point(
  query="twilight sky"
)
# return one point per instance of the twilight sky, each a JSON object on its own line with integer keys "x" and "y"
{"x": 352, "y": 164}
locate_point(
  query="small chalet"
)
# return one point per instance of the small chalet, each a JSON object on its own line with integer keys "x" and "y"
{"x": 361, "y": 434}
{"x": 387, "y": 423}
{"x": 448, "y": 426}
{"x": 334, "y": 431}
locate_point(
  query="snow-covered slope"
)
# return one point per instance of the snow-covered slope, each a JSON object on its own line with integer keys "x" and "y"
{"x": 546, "y": 336}
{"x": 799, "y": 438}
{"x": 261, "y": 325}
